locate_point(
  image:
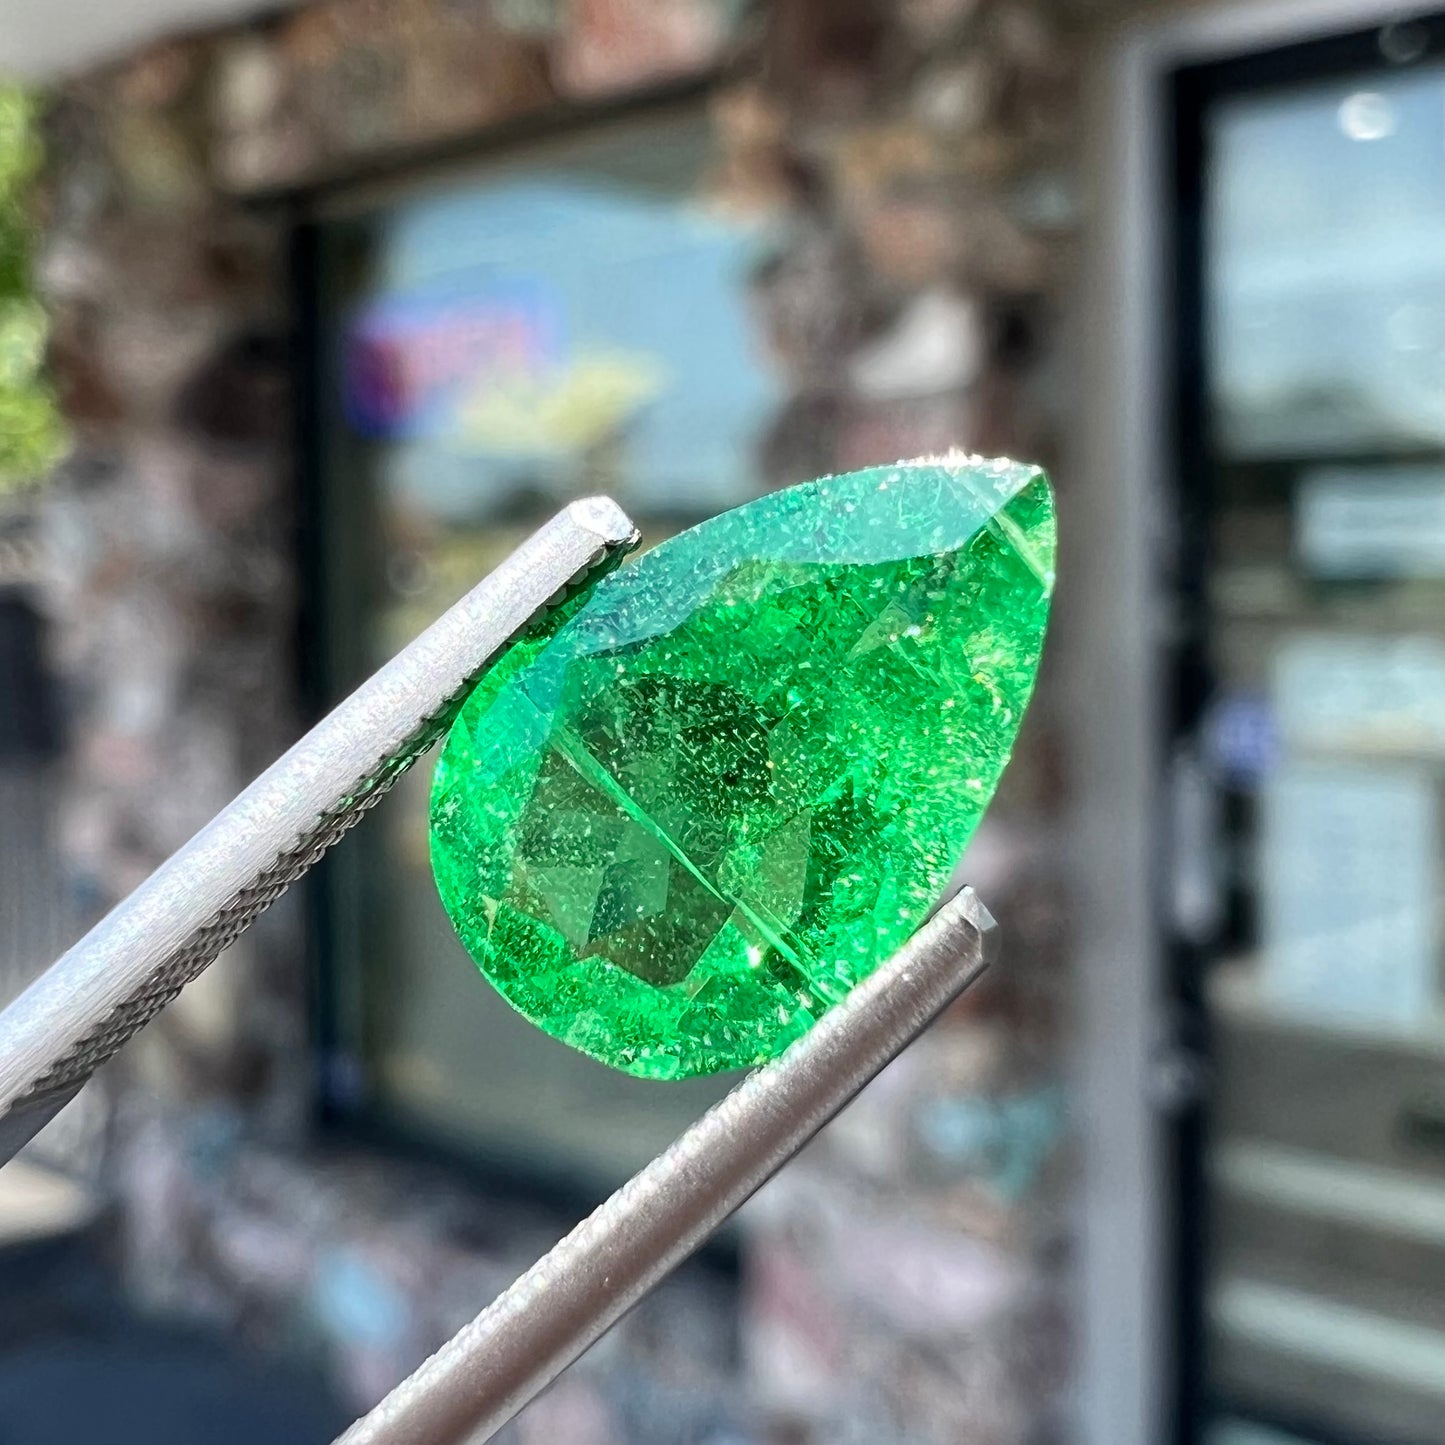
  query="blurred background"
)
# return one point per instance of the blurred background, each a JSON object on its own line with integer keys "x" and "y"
{"x": 309, "y": 313}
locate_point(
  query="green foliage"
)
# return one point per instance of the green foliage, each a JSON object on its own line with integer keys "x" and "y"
{"x": 31, "y": 435}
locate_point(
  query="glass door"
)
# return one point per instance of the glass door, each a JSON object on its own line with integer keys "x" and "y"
{"x": 1311, "y": 429}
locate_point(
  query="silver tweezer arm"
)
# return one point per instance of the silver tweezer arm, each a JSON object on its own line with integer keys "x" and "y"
{"x": 517, "y": 1346}
{"x": 137, "y": 958}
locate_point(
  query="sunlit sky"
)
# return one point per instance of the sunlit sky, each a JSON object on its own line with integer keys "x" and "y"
{"x": 635, "y": 278}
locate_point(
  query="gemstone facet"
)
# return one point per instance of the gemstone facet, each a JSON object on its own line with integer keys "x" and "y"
{"x": 705, "y": 800}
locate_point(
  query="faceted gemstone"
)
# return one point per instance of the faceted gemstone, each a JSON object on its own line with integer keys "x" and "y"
{"x": 692, "y": 812}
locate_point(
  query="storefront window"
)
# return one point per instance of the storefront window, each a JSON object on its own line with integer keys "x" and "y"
{"x": 569, "y": 321}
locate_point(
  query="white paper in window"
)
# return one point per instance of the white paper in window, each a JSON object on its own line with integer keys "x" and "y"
{"x": 1348, "y": 872}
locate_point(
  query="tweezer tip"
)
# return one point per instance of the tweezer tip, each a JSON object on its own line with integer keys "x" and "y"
{"x": 967, "y": 907}
{"x": 605, "y": 519}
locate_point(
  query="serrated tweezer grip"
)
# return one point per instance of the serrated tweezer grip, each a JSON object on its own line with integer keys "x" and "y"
{"x": 137, "y": 958}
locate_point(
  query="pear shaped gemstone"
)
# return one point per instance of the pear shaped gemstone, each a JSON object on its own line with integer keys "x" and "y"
{"x": 712, "y": 795}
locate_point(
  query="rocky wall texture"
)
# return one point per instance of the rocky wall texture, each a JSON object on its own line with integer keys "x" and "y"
{"x": 908, "y": 1280}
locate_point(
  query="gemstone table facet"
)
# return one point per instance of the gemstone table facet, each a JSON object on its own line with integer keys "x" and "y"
{"x": 686, "y": 815}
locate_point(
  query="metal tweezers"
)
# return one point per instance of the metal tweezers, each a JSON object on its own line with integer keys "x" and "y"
{"x": 132, "y": 963}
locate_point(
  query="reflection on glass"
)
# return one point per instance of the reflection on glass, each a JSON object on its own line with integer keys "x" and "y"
{"x": 1325, "y": 325}
{"x": 1327, "y": 294}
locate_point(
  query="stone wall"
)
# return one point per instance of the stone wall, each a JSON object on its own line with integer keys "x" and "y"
{"x": 907, "y": 1281}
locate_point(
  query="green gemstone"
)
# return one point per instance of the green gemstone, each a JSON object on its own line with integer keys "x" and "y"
{"x": 716, "y": 792}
